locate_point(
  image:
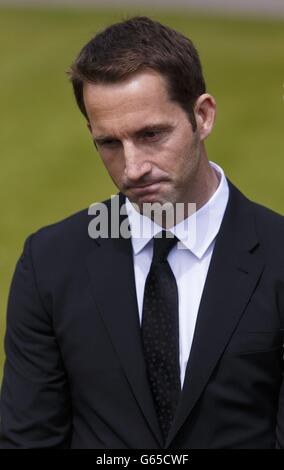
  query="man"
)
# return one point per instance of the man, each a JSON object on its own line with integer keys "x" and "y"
{"x": 168, "y": 339}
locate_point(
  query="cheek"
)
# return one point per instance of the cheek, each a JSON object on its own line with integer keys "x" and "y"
{"x": 185, "y": 163}
{"x": 177, "y": 157}
{"x": 113, "y": 165}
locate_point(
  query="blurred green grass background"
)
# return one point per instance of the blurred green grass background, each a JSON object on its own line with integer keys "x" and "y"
{"x": 49, "y": 167}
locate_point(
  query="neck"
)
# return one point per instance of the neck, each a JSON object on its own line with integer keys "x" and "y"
{"x": 204, "y": 185}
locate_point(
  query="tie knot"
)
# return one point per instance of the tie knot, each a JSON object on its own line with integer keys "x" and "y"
{"x": 164, "y": 241}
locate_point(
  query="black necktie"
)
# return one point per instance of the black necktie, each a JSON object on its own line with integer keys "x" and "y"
{"x": 160, "y": 332}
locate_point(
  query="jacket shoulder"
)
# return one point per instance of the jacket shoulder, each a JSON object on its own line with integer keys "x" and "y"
{"x": 63, "y": 239}
{"x": 267, "y": 219}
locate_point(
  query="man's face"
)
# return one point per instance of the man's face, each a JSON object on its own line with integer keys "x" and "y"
{"x": 145, "y": 140}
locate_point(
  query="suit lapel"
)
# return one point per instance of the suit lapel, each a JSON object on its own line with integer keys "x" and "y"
{"x": 235, "y": 268}
{"x": 111, "y": 272}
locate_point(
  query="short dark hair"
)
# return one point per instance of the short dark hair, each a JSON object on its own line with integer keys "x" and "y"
{"x": 138, "y": 44}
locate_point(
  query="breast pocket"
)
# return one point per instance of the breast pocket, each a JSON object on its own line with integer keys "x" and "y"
{"x": 244, "y": 342}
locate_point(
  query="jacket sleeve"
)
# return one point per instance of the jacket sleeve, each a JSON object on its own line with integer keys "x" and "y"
{"x": 280, "y": 414}
{"x": 35, "y": 405}
{"x": 280, "y": 419}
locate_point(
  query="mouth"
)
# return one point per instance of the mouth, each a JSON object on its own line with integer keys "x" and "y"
{"x": 149, "y": 188}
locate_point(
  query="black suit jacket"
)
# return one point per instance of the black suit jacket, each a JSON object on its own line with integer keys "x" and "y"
{"x": 75, "y": 375}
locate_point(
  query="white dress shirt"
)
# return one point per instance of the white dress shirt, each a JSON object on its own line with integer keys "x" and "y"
{"x": 189, "y": 259}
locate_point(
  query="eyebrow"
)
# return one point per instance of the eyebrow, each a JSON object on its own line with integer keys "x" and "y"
{"x": 149, "y": 128}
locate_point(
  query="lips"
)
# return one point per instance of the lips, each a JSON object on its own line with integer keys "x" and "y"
{"x": 149, "y": 188}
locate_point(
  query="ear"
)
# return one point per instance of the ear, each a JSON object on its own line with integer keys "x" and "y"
{"x": 205, "y": 114}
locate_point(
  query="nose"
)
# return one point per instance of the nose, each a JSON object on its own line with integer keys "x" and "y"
{"x": 136, "y": 167}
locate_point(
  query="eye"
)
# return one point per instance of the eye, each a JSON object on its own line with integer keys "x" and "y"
{"x": 152, "y": 135}
{"x": 108, "y": 143}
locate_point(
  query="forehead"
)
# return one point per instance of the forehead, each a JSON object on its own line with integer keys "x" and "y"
{"x": 142, "y": 96}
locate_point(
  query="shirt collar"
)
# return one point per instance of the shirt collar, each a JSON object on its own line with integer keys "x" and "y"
{"x": 195, "y": 233}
